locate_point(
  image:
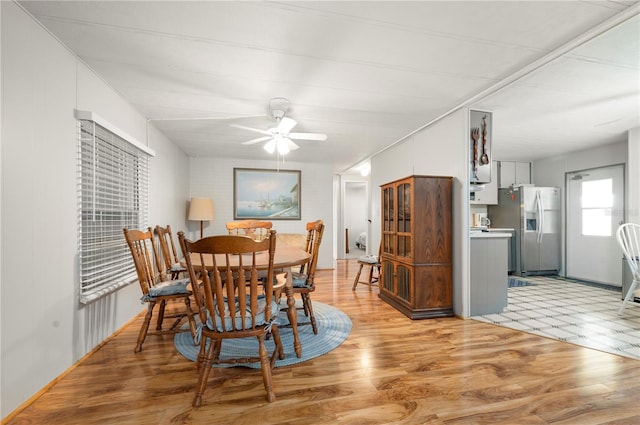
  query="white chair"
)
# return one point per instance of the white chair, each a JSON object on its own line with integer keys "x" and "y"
{"x": 628, "y": 236}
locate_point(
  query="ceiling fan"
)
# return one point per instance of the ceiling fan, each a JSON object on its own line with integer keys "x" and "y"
{"x": 280, "y": 137}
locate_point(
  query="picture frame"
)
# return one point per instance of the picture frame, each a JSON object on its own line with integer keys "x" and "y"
{"x": 265, "y": 194}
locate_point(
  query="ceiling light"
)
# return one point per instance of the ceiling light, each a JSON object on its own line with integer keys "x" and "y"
{"x": 283, "y": 146}
{"x": 365, "y": 169}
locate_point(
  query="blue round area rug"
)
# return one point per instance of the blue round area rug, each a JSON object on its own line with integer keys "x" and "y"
{"x": 334, "y": 327}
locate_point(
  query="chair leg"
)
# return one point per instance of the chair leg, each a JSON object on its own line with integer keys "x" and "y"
{"x": 627, "y": 297}
{"x": 371, "y": 275}
{"x": 202, "y": 352}
{"x": 279, "y": 350}
{"x": 204, "y": 370}
{"x": 216, "y": 351}
{"x": 265, "y": 365}
{"x": 355, "y": 282}
{"x": 190, "y": 314}
{"x": 145, "y": 327}
{"x": 306, "y": 300}
{"x": 374, "y": 279}
{"x": 305, "y": 306}
{"x": 163, "y": 304}
{"x": 292, "y": 314}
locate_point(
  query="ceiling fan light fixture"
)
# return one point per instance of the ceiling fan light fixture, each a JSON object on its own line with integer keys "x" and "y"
{"x": 283, "y": 146}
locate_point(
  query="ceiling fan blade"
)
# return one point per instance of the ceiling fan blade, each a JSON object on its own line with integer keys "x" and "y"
{"x": 286, "y": 125}
{"x": 244, "y": 127}
{"x": 308, "y": 136}
{"x": 292, "y": 146}
{"x": 259, "y": 139}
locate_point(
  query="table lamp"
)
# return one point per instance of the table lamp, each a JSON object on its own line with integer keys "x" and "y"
{"x": 201, "y": 209}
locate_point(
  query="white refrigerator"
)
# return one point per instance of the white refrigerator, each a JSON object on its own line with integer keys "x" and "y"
{"x": 534, "y": 213}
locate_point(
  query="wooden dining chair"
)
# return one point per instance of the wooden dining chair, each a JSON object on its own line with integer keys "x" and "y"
{"x": 231, "y": 307}
{"x": 256, "y": 229}
{"x": 157, "y": 288}
{"x": 169, "y": 253}
{"x": 303, "y": 280}
{"x": 373, "y": 261}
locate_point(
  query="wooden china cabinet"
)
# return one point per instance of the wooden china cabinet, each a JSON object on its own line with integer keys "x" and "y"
{"x": 417, "y": 246}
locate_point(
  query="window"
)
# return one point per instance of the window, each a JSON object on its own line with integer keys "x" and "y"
{"x": 113, "y": 178}
{"x": 597, "y": 202}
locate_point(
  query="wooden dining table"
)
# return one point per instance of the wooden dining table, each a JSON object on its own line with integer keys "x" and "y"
{"x": 285, "y": 258}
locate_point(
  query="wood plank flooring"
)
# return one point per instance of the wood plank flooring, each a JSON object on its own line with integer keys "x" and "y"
{"x": 391, "y": 370}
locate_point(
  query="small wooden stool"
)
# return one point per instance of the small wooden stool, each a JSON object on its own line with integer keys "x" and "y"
{"x": 372, "y": 261}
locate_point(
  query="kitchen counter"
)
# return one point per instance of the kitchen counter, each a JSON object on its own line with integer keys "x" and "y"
{"x": 490, "y": 234}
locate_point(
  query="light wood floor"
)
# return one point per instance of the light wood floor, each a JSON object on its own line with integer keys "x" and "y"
{"x": 391, "y": 370}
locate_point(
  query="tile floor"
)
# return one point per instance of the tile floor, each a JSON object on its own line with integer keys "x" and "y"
{"x": 572, "y": 312}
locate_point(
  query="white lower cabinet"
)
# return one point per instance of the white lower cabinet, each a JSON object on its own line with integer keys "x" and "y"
{"x": 489, "y": 274}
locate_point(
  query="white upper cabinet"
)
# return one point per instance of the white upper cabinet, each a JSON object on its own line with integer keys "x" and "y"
{"x": 513, "y": 172}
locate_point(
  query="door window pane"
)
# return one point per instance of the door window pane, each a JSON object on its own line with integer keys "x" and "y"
{"x": 597, "y": 202}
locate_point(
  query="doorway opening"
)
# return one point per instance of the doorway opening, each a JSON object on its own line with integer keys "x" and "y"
{"x": 355, "y": 232}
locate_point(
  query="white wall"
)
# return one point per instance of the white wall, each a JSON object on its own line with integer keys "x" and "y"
{"x": 213, "y": 178}
{"x": 169, "y": 194}
{"x": 439, "y": 150}
{"x": 44, "y": 329}
{"x": 551, "y": 172}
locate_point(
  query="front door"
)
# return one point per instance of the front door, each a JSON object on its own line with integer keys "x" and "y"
{"x": 595, "y": 209}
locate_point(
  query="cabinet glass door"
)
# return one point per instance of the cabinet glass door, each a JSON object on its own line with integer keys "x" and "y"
{"x": 388, "y": 220}
{"x": 387, "y": 209}
{"x": 404, "y": 207}
{"x": 404, "y": 220}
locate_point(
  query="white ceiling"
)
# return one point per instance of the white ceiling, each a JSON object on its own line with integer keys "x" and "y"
{"x": 365, "y": 73}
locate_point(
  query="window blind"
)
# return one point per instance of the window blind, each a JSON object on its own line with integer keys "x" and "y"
{"x": 113, "y": 189}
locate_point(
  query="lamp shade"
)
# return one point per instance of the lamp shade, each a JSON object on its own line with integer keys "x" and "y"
{"x": 201, "y": 209}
